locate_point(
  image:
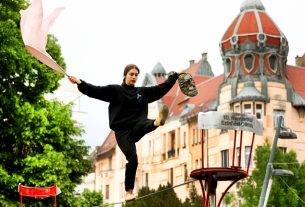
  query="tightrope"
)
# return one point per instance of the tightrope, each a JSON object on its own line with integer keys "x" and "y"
{"x": 292, "y": 190}
{"x": 151, "y": 194}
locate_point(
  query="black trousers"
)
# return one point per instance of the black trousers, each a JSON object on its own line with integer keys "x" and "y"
{"x": 126, "y": 139}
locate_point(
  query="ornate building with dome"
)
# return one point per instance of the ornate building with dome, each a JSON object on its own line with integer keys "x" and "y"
{"x": 256, "y": 80}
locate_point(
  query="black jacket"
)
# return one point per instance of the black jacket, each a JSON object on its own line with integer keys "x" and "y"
{"x": 128, "y": 104}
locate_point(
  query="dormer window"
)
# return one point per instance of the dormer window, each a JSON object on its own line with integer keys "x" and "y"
{"x": 228, "y": 66}
{"x": 248, "y": 109}
{"x": 273, "y": 62}
{"x": 249, "y": 62}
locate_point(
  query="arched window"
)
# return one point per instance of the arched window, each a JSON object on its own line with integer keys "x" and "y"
{"x": 273, "y": 62}
{"x": 228, "y": 66}
{"x": 249, "y": 62}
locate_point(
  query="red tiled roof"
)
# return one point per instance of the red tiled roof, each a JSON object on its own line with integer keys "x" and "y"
{"x": 108, "y": 144}
{"x": 207, "y": 91}
{"x": 247, "y": 25}
{"x": 296, "y": 77}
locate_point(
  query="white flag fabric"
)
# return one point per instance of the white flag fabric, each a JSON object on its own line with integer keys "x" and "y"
{"x": 230, "y": 120}
{"x": 34, "y": 31}
{"x": 58, "y": 191}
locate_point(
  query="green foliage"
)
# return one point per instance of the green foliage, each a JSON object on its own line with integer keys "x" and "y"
{"x": 228, "y": 198}
{"x": 89, "y": 198}
{"x": 194, "y": 199}
{"x": 280, "y": 195}
{"x": 167, "y": 198}
{"x": 38, "y": 145}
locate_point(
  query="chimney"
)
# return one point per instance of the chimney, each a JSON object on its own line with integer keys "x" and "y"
{"x": 298, "y": 61}
{"x": 204, "y": 56}
{"x": 192, "y": 62}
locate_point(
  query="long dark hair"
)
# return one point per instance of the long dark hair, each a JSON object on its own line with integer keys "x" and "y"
{"x": 128, "y": 68}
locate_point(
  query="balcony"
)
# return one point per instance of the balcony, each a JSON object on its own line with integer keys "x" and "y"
{"x": 171, "y": 153}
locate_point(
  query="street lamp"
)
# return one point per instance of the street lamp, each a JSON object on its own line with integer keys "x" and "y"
{"x": 275, "y": 172}
{"x": 287, "y": 135}
{"x": 281, "y": 135}
{"x": 282, "y": 172}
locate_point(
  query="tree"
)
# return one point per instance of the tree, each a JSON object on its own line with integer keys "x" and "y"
{"x": 194, "y": 199}
{"x": 89, "y": 198}
{"x": 38, "y": 145}
{"x": 167, "y": 198}
{"x": 250, "y": 189}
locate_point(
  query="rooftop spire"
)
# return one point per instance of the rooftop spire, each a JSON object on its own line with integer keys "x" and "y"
{"x": 252, "y": 4}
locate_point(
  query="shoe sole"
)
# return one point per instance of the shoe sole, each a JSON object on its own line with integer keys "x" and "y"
{"x": 163, "y": 114}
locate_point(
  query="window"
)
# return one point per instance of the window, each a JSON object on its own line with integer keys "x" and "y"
{"x": 172, "y": 138}
{"x": 194, "y": 136}
{"x": 301, "y": 112}
{"x": 200, "y": 133}
{"x": 110, "y": 162}
{"x": 249, "y": 62}
{"x": 247, "y": 109}
{"x": 172, "y": 144}
{"x": 258, "y": 111}
{"x": 237, "y": 109}
{"x": 178, "y": 132}
{"x": 276, "y": 115}
{"x": 164, "y": 146}
{"x": 228, "y": 66}
{"x": 247, "y": 155}
{"x": 273, "y": 62}
{"x": 107, "y": 192}
{"x": 236, "y": 156}
{"x": 146, "y": 179}
{"x": 185, "y": 172}
{"x": 225, "y": 158}
{"x": 283, "y": 149}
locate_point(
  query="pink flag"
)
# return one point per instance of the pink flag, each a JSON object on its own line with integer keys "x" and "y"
{"x": 34, "y": 31}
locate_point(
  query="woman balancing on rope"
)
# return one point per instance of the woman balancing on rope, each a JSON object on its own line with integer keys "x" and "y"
{"x": 128, "y": 111}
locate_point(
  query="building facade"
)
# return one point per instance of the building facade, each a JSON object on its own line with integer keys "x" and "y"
{"x": 256, "y": 80}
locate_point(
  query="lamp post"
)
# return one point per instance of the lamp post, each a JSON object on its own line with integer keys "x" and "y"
{"x": 284, "y": 135}
{"x": 275, "y": 172}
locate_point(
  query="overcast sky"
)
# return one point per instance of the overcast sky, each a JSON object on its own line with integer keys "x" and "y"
{"x": 99, "y": 37}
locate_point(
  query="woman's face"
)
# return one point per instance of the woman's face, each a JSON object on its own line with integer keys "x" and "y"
{"x": 131, "y": 77}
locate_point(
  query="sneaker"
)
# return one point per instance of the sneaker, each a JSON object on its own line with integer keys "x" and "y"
{"x": 129, "y": 196}
{"x": 160, "y": 121}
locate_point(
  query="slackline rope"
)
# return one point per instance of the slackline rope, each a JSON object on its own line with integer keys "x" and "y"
{"x": 151, "y": 194}
{"x": 292, "y": 190}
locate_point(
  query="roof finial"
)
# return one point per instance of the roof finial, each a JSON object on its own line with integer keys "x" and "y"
{"x": 252, "y": 4}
